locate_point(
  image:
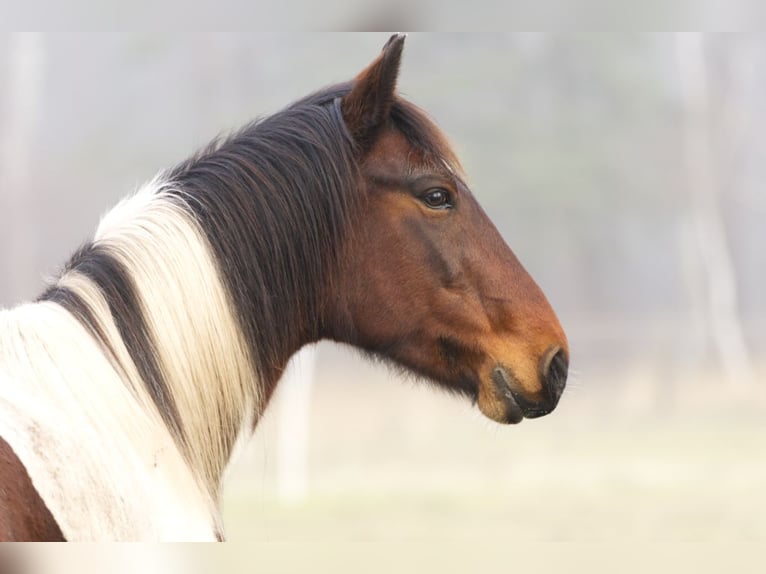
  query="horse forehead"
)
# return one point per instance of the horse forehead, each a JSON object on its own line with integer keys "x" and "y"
{"x": 393, "y": 152}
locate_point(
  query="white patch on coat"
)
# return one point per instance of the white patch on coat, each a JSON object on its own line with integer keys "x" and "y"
{"x": 83, "y": 423}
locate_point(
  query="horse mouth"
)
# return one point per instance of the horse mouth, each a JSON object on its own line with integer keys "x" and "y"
{"x": 512, "y": 412}
{"x": 506, "y": 404}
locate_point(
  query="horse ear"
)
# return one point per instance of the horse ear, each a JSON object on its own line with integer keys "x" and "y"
{"x": 366, "y": 107}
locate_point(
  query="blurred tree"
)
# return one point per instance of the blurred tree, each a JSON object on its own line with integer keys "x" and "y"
{"x": 22, "y": 118}
{"x": 712, "y": 280}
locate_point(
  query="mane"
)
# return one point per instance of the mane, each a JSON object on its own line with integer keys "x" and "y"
{"x": 200, "y": 286}
{"x": 275, "y": 200}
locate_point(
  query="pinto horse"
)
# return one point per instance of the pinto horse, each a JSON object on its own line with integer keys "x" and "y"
{"x": 125, "y": 387}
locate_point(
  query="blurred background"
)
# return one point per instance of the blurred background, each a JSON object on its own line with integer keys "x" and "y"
{"x": 625, "y": 170}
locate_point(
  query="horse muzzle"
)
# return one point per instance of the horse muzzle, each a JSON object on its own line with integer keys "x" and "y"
{"x": 504, "y": 399}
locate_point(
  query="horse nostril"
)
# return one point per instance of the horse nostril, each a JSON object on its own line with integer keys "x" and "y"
{"x": 555, "y": 374}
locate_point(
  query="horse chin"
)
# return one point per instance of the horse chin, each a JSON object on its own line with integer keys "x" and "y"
{"x": 508, "y": 413}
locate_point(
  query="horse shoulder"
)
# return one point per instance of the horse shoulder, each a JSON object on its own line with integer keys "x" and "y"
{"x": 23, "y": 514}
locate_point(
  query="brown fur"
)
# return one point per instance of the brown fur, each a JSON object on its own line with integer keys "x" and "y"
{"x": 23, "y": 515}
{"x": 456, "y": 299}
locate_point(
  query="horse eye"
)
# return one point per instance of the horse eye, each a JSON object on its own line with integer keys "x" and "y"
{"x": 438, "y": 199}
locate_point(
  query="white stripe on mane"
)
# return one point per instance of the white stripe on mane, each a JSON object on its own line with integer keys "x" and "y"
{"x": 84, "y": 424}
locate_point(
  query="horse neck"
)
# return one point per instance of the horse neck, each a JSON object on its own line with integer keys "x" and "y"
{"x": 221, "y": 271}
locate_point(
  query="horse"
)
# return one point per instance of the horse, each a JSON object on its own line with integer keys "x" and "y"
{"x": 127, "y": 385}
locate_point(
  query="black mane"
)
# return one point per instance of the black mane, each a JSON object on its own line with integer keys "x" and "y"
{"x": 275, "y": 200}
